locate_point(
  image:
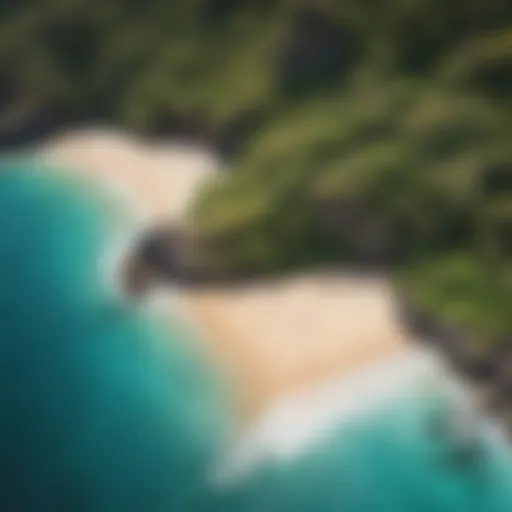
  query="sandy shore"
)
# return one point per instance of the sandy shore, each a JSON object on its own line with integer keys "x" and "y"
{"x": 157, "y": 181}
{"x": 270, "y": 339}
{"x": 276, "y": 338}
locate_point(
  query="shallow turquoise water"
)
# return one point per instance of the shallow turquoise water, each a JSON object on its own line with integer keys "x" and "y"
{"x": 103, "y": 409}
{"x": 391, "y": 461}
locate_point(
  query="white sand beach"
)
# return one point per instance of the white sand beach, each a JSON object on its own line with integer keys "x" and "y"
{"x": 276, "y": 338}
{"x": 271, "y": 339}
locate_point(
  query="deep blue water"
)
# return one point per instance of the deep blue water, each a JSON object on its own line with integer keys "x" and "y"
{"x": 103, "y": 409}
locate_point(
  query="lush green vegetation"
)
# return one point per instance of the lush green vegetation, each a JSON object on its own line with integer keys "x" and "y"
{"x": 404, "y": 161}
{"x": 366, "y": 131}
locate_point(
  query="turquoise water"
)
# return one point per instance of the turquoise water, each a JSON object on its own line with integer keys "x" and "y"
{"x": 391, "y": 461}
{"x": 103, "y": 408}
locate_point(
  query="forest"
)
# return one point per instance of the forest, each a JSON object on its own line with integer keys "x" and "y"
{"x": 359, "y": 132}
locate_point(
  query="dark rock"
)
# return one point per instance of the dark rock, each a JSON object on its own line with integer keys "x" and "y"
{"x": 492, "y": 399}
{"x": 460, "y": 434}
{"x": 484, "y": 367}
{"x": 162, "y": 251}
{"x": 154, "y": 259}
{"x": 449, "y": 340}
{"x": 503, "y": 376}
{"x": 506, "y": 418}
{"x": 164, "y": 255}
{"x": 478, "y": 367}
{"x": 137, "y": 278}
{"x": 489, "y": 372}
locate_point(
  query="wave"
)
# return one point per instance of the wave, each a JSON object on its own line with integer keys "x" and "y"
{"x": 400, "y": 436}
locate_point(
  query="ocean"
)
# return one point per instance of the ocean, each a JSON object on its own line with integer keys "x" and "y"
{"x": 102, "y": 408}
{"x": 106, "y": 407}
{"x": 405, "y": 455}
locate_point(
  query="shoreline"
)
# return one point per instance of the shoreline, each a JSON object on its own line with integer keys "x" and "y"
{"x": 263, "y": 373}
{"x": 268, "y": 340}
{"x": 295, "y": 424}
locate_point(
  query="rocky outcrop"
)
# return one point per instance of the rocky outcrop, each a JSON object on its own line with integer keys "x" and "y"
{"x": 164, "y": 255}
{"x": 489, "y": 371}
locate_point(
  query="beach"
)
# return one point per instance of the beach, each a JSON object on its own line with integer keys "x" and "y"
{"x": 269, "y": 339}
{"x": 332, "y": 399}
{"x": 283, "y": 336}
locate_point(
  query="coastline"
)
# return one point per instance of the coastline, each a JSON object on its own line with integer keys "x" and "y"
{"x": 270, "y": 356}
{"x": 270, "y": 339}
{"x": 298, "y": 423}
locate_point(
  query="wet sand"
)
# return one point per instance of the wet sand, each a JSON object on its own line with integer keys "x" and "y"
{"x": 270, "y": 339}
